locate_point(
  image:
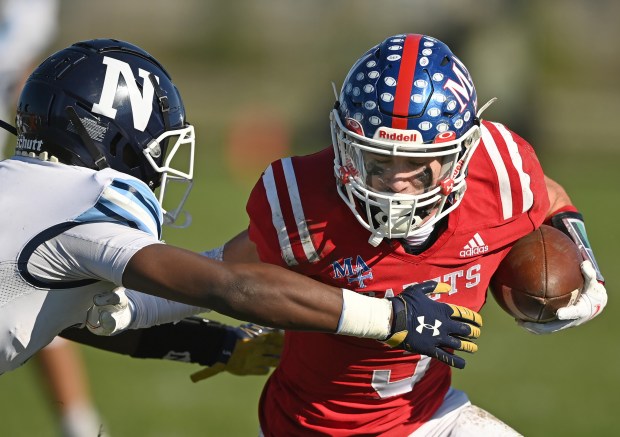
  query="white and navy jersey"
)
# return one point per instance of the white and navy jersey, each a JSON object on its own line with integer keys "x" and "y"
{"x": 67, "y": 234}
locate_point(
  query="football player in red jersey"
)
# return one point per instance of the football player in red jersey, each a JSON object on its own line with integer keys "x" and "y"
{"x": 425, "y": 190}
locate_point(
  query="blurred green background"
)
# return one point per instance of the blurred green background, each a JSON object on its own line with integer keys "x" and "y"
{"x": 256, "y": 79}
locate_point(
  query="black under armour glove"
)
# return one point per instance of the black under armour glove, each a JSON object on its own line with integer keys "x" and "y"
{"x": 424, "y": 326}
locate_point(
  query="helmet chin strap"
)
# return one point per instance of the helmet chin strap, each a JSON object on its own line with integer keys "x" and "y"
{"x": 99, "y": 158}
{"x": 6, "y": 126}
{"x": 164, "y": 106}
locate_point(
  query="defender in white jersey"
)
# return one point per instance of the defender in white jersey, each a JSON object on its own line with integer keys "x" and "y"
{"x": 97, "y": 126}
{"x": 74, "y": 250}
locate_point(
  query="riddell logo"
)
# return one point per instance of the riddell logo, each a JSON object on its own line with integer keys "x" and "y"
{"x": 398, "y": 135}
{"x": 475, "y": 247}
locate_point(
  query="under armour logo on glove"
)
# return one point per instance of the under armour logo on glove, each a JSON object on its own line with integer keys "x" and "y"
{"x": 410, "y": 332}
{"x": 427, "y": 326}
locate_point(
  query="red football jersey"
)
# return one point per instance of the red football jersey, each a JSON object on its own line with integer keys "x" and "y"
{"x": 337, "y": 385}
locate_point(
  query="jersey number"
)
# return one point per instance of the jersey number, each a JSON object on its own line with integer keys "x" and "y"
{"x": 386, "y": 388}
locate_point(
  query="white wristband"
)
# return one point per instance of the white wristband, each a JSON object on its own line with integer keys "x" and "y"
{"x": 148, "y": 310}
{"x": 364, "y": 316}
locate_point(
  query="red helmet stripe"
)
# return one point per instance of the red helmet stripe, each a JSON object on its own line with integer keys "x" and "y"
{"x": 405, "y": 81}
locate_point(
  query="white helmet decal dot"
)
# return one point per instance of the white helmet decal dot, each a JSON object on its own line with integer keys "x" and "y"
{"x": 389, "y": 81}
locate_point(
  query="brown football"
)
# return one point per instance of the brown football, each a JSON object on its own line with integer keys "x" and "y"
{"x": 539, "y": 275}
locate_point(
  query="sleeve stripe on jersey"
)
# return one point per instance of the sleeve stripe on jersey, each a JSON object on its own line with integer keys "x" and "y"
{"x": 502, "y": 173}
{"x": 507, "y": 188}
{"x": 298, "y": 212}
{"x": 114, "y": 216}
{"x": 144, "y": 196}
{"x": 124, "y": 203}
{"x": 528, "y": 196}
{"x": 277, "y": 218}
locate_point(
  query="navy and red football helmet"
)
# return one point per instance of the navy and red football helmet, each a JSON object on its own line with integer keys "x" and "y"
{"x": 107, "y": 103}
{"x": 409, "y": 96}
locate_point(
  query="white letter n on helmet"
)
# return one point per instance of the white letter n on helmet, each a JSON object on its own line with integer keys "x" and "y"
{"x": 141, "y": 104}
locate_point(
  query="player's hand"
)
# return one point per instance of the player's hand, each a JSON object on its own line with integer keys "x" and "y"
{"x": 590, "y": 304}
{"x": 248, "y": 350}
{"x": 424, "y": 326}
{"x": 110, "y": 313}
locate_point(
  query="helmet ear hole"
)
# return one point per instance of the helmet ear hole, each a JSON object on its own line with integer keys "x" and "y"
{"x": 130, "y": 158}
{"x": 114, "y": 144}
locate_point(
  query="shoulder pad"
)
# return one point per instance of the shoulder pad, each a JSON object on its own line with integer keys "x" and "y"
{"x": 129, "y": 202}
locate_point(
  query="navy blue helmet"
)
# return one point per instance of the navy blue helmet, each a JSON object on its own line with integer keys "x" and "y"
{"x": 104, "y": 103}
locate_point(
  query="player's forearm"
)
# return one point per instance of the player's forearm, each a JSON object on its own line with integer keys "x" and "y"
{"x": 564, "y": 216}
{"x": 148, "y": 310}
{"x": 193, "y": 340}
{"x": 272, "y": 296}
{"x": 260, "y": 293}
{"x": 558, "y": 197}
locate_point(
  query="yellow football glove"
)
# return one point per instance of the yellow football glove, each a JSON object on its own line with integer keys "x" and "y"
{"x": 249, "y": 350}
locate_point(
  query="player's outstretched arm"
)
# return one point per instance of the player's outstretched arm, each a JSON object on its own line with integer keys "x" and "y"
{"x": 241, "y": 350}
{"x": 419, "y": 325}
{"x": 272, "y": 296}
{"x": 259, "y": 293}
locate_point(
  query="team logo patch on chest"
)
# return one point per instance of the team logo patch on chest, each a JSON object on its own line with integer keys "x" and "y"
{"x": 355, "y": 272}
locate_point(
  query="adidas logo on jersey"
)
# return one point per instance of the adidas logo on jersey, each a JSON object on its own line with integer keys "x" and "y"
{"x": 475, "y": 247}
